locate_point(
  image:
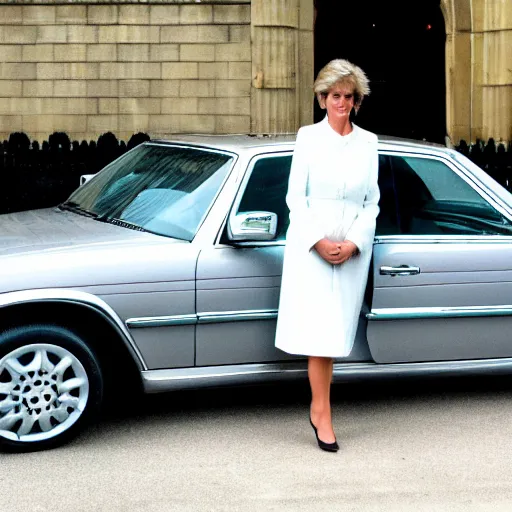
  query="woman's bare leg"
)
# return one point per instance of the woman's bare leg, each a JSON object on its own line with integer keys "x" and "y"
{"x": 320, "y": 376}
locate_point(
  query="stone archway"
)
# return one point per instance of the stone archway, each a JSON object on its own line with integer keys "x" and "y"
{"x": 401, "y": 46}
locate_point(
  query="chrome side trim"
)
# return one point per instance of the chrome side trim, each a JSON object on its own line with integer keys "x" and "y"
{"x": 236, "y": 316}
{"x": 407, "y": 239}
{"x": 161, "y": 321}
{"x": 438, "y": 312}
{"x": 80, "y": 298}
{"x": 181, "y": 378}
{"x": 156, "y": 381}
{"x": 202, "y": 318}
{"x": 271, "y": 243}
{"x": 444, "y": 239}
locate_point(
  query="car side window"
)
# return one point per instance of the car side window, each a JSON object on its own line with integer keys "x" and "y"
{"x": 387, "y": 220}
{"x": 266, "y": 190}
{"x": 432, "y": 199}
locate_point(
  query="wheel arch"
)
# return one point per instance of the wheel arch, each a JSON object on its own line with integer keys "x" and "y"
{"x": 81, "y": 312}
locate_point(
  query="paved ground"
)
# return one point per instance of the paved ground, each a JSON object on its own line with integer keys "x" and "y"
{"x": 410, "y": 446}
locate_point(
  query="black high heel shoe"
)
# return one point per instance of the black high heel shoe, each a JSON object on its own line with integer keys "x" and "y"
{"x": 328, "y": 447}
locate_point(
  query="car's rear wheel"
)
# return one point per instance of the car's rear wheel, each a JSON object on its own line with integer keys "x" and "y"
{"x": 50, "y": 385}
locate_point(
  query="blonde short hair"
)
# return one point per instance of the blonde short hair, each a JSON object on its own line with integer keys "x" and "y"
{"x": 341, "y": 71}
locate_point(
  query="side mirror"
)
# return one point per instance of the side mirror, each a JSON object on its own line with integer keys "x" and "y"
{"x": 85, "y": 178}
{"x": 252, "y": 226}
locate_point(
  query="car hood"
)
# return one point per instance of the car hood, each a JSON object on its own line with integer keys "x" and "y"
{"x": 51, "y": 228}
{"x": 51, "y": 248}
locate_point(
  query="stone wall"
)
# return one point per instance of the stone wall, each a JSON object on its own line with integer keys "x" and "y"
{"x": 160, "y": 68}
{"x": 170, "y": 66}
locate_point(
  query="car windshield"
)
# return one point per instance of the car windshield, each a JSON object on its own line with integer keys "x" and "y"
{"x": 165, "y": 190}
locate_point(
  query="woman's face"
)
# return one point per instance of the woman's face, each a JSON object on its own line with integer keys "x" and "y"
{"x": 339, "y": 102}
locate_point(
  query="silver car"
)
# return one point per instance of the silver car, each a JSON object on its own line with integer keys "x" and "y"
{"x": 163, "y": 272}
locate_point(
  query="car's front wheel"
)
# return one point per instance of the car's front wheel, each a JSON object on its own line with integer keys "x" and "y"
{"x": 50, "y": 384}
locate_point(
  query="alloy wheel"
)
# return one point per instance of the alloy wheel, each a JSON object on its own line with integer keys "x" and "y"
{"x": 44, "y": 390}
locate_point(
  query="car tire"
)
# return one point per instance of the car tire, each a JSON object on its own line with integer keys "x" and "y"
{"x": 51, "y": 385}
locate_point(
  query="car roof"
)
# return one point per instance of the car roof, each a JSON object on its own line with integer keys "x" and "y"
{"x": 234, "y": 142}
{"x": 238, "y": 142}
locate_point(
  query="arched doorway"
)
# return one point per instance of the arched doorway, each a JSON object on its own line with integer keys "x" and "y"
{"x": 401, "y": 47}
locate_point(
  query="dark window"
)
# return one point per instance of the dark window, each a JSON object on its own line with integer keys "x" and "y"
{"x": 423, "y": 196}
{"x": 387, "y": 221}
{"x": 266, "y": 190}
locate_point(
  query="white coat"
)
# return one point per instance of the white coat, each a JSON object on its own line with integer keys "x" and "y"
{"x": 333, "y": 193}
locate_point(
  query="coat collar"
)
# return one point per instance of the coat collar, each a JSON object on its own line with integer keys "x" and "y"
{"x": 330, "y": 131}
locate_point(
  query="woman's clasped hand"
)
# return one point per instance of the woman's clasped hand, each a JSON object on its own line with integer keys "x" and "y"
{"x": 335, "y": 253}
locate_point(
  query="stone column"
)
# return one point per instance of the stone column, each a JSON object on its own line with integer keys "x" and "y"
{"x": 478, "y": 71}
{"x": 492, "y": 69}
{"x": 282, "y": 65}
{"x": 458, "y": 68}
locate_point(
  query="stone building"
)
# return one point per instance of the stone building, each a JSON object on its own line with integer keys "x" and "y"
{"x": 167, "y": 66}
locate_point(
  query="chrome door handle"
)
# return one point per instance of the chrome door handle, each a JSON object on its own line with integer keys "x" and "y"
{"x": 402, "y": 270}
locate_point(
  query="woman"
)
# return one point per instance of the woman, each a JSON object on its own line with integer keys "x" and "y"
{"x": 333, "y": 199}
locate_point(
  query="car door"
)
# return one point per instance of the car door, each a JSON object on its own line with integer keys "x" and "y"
{"x": 238, "y": 284}
{"x": 442, "y": 268}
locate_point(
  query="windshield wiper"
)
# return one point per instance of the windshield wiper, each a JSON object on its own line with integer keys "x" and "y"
{"x": 129, "y": 225}
{"x": 123, "y": 223}
{"x": 76, "y": 208}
